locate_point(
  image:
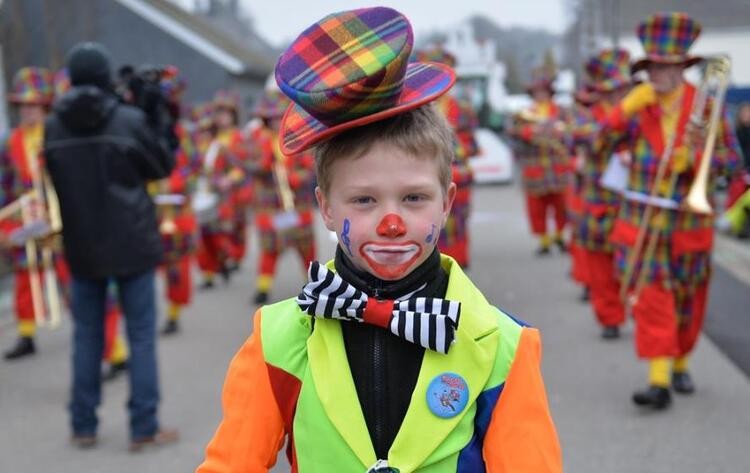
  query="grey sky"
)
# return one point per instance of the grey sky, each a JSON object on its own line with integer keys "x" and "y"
{"x": 282, "y": 20}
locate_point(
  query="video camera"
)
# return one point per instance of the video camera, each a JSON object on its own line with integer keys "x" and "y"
{"x": 142, "y": 88}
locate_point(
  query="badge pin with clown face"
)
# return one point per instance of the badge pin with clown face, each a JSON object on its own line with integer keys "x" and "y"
{"x": 447, "y": 395}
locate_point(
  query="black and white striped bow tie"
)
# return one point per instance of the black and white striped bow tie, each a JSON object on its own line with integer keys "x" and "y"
{"x": 427, "y": 321}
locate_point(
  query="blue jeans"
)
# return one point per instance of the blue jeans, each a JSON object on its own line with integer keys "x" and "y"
{"x": 137, "y": 297}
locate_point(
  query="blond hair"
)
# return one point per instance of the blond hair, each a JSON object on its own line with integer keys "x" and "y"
{"x": 419, "y": 132}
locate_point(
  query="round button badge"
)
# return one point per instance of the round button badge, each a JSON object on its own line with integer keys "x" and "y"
{"x": 447, "y": 395}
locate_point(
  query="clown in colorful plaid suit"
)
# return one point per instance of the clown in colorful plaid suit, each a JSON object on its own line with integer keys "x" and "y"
{"x": 609, "y": 76}
{"x": 177, "y": 222}
{"x": 582, "y": 127}
{"x": 670, "y": 308}
{"x": 222, "y": 245}
{"x": 544, "y": 158}
{"x": 20, "y": 167}
{"x": 454, "y": 238}
{"x": 283, "y": 195}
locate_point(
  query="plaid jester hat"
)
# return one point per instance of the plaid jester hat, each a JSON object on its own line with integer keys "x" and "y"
{"x": 350, "y": 69}
{"x": 609, "y": 70}
{"x": 33, "y": 86}
{"x": 666, "y": 39}
{"x": 430, "y": 322}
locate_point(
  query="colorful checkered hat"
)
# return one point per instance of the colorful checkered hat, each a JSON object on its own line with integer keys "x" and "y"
{"x": 609, "y": 70}
{"x": 541, "y": 78}
{"x": 435, "y": 54}
{"x": 61, "y": 83}
{"x": 33, "y": 86}
{"x": 272, "y": 104}
{"x": 350, "y": 69}
{"x": 666, "y": 39}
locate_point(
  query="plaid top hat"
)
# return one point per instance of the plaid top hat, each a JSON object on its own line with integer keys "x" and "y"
{"x": 32, "y": 86}
{"x": 609, "y": 70}
{"x": 541, "y": 78}
{"x": 61, "y": 83}
{"x": 666, "y": 39}
{"x": 435, "y": 54}
{"x": 350, "y": 69}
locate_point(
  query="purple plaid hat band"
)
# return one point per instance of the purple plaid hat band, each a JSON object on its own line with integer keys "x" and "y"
{"x": 349, "y": 69}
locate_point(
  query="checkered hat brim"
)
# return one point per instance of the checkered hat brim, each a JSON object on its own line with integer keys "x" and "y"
{"x": 349, "y": 69}
{"x": 666, "y": 38}
{"x": 423, "y": 83}
{"x": 33, "y": 86}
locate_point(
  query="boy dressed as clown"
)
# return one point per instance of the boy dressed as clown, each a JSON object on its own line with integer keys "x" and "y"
{"x": 390, "y": 359}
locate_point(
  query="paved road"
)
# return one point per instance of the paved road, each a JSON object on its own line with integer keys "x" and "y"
{"x": 589, "y": 381}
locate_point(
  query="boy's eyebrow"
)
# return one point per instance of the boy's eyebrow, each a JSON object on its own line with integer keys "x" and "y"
{"x": 365, "y": 188}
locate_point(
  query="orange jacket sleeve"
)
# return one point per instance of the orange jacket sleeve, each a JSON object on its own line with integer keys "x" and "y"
{"x": 252, "y": 430}
{"x": 521, "y": 435}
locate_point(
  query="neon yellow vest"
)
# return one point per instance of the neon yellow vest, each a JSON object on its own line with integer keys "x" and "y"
{"x": 329, "y": 429}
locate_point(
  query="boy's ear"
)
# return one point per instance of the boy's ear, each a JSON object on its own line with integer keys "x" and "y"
{"x": 325, "y": 209}
{"x": 450, "y": 195}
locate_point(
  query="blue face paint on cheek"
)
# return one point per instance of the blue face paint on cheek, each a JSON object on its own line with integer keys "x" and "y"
{"x": 345, "y": 236}
{"x": 431, "y": 237}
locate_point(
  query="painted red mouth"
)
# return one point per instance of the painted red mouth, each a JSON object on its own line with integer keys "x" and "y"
{"x": 390, "y": 260}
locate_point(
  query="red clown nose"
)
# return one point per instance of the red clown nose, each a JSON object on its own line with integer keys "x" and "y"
{"x": 391, "y": 226}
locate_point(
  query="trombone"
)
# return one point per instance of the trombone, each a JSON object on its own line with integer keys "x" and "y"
{"x": 39, "y": 211}
{"x": 716, "y": 78}
{"x": 547, "y": 125}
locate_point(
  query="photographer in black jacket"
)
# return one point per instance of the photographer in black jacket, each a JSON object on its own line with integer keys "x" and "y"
{"x": 100, "y": 154}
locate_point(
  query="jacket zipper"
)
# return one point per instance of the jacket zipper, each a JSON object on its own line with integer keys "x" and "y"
{"x": 378, "y": 352}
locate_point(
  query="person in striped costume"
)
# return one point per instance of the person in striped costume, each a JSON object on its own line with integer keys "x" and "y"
{"x": 544, "y": 157}
{"x": 653, "y": 119}
{"x": 283, "y": 195}
{"x": 390, "y": 359}
{"x": 21, "y": 168}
